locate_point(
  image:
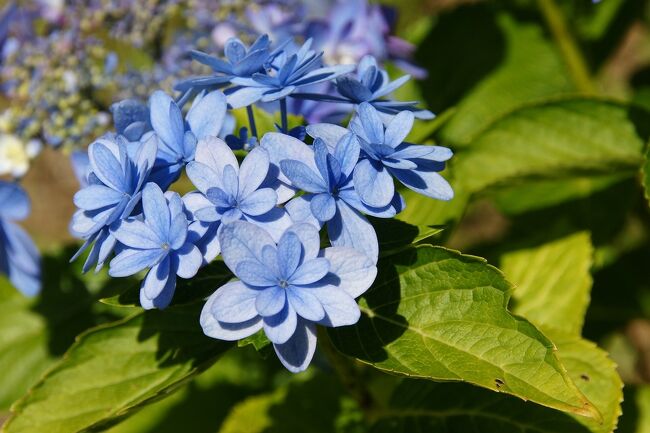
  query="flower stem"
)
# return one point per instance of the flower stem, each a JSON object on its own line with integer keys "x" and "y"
{"x": 283, "y": 111}
{"x": 251, "y": 121}
{"x": 347, "y": 372}
{"x": 572, "y": 55}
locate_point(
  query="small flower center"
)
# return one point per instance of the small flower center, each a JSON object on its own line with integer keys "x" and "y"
{"x": 283, "y": 283}
{"x": 165, "y": 246}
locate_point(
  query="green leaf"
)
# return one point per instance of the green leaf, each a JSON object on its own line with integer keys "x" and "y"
{"x": 36, "y": 332}
{"x": 595, "y": 375}
{"x": 539, "y": 194}
{"x": 552, "y": 138}
{"x": 552, "y": 282}
{"x": 115, "y": 369}
{"x": 203, "y": 404}
{"x": 420, "y": 406}
{"x": 499, "y": 66}
{"x": 309, "y": 402}
{"x": 645, "y": 175}
{"x": 437, "y": 314}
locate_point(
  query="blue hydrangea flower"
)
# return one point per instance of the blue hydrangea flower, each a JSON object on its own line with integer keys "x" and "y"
{"x": 293, "y": 71}
{"x": 385, "y": 154}
{"x": 286, "y": 289}
{"x": 228, "y": 192}
{"x": 112, "y": 192}
{"x": 131, "y": 119}
{"x": 19, "y": 258}
{"x": 159, "y": 242}
{"x": 371, "y": 85}
{"x": 241, "y": 61}
{"x": 331, "y": 198}
{"x": 177, "y": 137}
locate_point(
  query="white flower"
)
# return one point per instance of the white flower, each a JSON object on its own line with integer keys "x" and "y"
{"x": 15, "y": 155}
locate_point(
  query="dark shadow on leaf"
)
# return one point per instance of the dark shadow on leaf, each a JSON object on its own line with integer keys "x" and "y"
{"x": 65, "y": 302}
{"x": 380, "y": 324}
{"x": 463, "y": 47}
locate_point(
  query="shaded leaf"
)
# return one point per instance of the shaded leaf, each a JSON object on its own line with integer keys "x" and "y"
{"x": 419, "y": 406}
{"x": 437, "y": 314}
{"x": 115, "y": 369}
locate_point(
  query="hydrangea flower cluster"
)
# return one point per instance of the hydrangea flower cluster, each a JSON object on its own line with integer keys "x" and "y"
{"x": 263, "y": 213}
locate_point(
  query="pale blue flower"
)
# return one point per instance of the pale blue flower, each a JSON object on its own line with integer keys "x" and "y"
{"x": 385, "y": 154}
{"x": 111, "y": 193}
{"x": 19, "y": 258}
{"x": 177, "y": 138}
{"x": 228, "y": 192}
{"x": 371, "y": 85}
{"x": 290, "y": 72}
{"x": 286, "y": 289}
{"x": 330, "y": 196}
{"x": 159, "y": 242}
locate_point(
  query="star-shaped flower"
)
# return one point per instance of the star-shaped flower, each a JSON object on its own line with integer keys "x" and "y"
{"x": 286, "y": 289}
{"x": 159, "y": 242}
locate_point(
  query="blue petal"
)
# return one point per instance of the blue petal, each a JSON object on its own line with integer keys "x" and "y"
{"x": 323, "y": 206}
{"x": 95, "y": 197}
{"x": 207, "y": 115}
{"x": 299, "y": 210}
{"x": 415, "y": 151}
{"x": 255, "y": 273}
{"x": 373, "y": 183}
{"x": 15, "y": 202}
{"x": 427, "y": 183}
{"x": 23, "y": 259}
{"x": 395, "y": 206}
{"x": 156, "y": 210}
{"x": 340, "y": 308}
{"x": 353, "y": 271}
{"x": 289, "y": 254}
{"x": 270, "y": 301}
{"x": 347, "y": 152}
{"x": 275, "y": 222}
{"x": 242, "y": 241}
{"x": 156, "y": 279}
{"x": 352, "y": 89}
{"x": 309, "y": 238}
{"x": 136, "y": 234}
{"x": 130, "y": 262}
{"x": 306, "y": 304}
{"x": 349, "y": 228}
{"x": 205, "y": 237}
{"x": 310, "y": 272}
{"x": 398, "y": 128}
{"x": 280, "y": 327}
{"x": 371, "y": 122}
{"x": 230, "y": 181}
{"x": 188, "y": 259}
{"x": 167, "y": 121}
{"x": 216, "y": 64}
{"x": 106, "y": 166}
{"x": 259, "y": 202}
{"x": 163, "y": 299}
{"x": 297, "y": 352}
{"x": 216, "y": 154}
{"x": 284, "y": 147}
{"x": 329, "y": 133}
{"x": 234, "y": 302}
{"x": 391, "y": 87}
{"x": 202, "y": 176}
{"x": 220, "y": 198}
{"x": 253, "y": 171}
{"x": 302, "y": 176}
{"x": 245, "y": 96}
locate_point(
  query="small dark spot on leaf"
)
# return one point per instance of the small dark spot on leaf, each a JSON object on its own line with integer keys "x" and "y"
{"x": 585, "y": 377}
{"x": 499, "y": 383}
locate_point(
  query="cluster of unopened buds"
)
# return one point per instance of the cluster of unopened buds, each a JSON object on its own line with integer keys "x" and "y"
{"x": 265, "y": 214}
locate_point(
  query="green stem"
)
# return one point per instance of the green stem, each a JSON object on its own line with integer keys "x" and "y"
{"x": 347, "y": 372}
{"x": 573, "y": 58}
{"x": 251, "y": 121}
{"x": 283, "y": 113}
